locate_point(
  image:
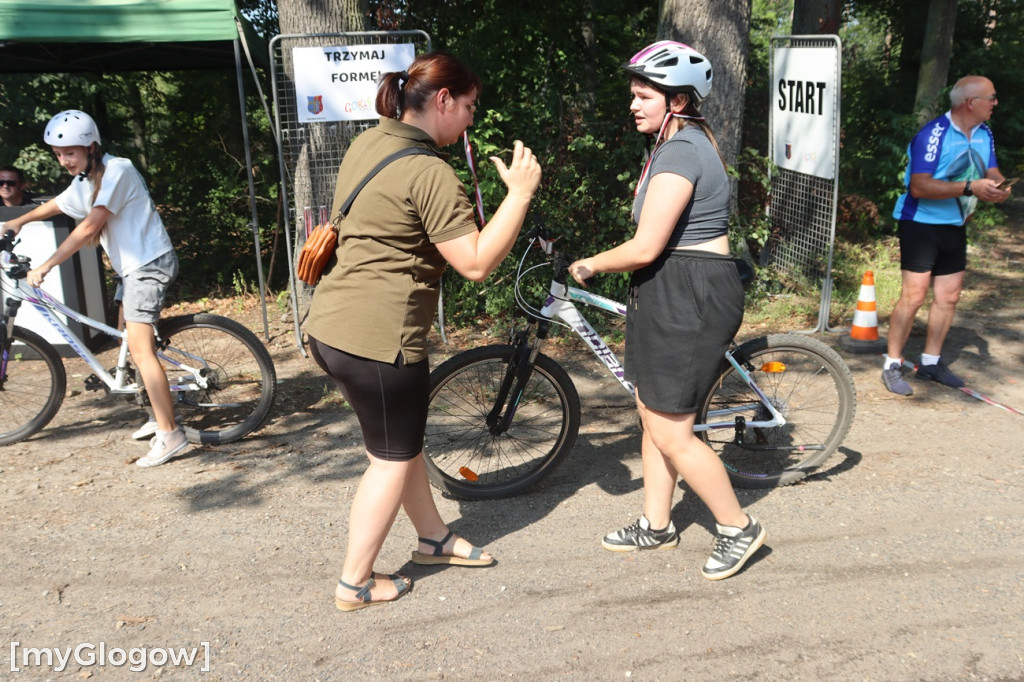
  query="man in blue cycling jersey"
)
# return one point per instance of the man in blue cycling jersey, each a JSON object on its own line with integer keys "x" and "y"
{"x": 952, "y": 167}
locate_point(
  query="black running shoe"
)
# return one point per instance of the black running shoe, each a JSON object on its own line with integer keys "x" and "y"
{"x": 940, "y": 374}
{"x": 638, "y": 535}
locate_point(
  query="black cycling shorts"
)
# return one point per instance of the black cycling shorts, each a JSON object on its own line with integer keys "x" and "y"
{"x": 938, "y": 249}
{"x": 389, "y": 399}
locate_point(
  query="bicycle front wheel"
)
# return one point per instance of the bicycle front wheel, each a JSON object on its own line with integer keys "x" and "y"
{"x": 471, "y": 460}
{"x": 803, "y": 379}
{"x": 31, "y": 386}
{"x": 239, "y": 375}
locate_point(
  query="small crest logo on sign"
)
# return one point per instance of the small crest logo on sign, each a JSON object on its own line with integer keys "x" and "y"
{"x": 789, "y": 150}
{"x": 315, "y": 104}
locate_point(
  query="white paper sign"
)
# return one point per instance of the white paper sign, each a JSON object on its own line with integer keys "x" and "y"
{"x": 340, "y": 83}
{"x": 804, "y": 117}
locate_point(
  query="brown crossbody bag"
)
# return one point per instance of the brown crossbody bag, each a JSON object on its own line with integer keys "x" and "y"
{"x": 322, "y": 241}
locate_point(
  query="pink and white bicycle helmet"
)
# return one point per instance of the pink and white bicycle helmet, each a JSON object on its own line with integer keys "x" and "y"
{"x": 71, "y": 128}
{"x": 673, "y": 67}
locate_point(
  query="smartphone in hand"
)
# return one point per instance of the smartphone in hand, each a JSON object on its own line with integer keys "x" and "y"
{"x": 1007, "y": 183}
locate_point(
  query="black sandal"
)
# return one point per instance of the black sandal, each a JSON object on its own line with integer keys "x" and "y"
{"x": 363, "y": 593}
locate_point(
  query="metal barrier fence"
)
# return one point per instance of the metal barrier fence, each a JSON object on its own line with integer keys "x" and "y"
{"x": 802, "y": 207}
{"x": 309, "y": 153}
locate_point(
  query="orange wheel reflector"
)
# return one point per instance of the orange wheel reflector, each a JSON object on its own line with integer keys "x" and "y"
{"x": 468, "y": 474}
{"x": 773, "y": 367}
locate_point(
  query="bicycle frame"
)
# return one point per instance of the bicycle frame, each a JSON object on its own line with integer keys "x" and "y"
{"x": 559, "y": 305}
{"x": 49, "y": 307}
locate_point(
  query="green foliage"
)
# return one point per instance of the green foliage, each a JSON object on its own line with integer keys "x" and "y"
{"x": 565, "y": 96}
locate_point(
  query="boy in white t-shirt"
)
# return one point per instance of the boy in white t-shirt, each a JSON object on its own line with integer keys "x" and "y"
{"x": 109, "y": 197}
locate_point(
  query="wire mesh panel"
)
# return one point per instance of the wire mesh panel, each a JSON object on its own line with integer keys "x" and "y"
{"x": 802, "y": 205}
{"x": 311, "y": 151}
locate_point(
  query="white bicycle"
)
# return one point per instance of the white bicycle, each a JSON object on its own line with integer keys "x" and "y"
{"x": 503, "y": 417}
{"x": 220, "y": 374}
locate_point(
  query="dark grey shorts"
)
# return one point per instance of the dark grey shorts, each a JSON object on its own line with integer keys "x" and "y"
{"x": 684, "y": 310}
{"x": 143, "y": 290}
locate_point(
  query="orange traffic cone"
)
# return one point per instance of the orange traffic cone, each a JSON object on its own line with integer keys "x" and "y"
{"x": 863, "y": 336}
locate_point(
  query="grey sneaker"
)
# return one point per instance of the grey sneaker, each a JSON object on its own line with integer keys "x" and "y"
{"x": 894, "y": 381}
{"x": 163, "y": 446}
{"x": 638, "y": 535}
{"x": 939, "y": 373}
{"x": 732, "y": 549}
{"x": 147, "y": 430}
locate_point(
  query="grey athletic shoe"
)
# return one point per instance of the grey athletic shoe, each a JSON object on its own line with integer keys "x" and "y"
{"x": 894, "y": 381}
{"x": 638, "y": 535}
{"x": 939, "y": 373}
{"x": 732, "y": 549}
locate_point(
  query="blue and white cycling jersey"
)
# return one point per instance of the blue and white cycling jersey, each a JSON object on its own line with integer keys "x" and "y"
{"x": 943, "y": 151}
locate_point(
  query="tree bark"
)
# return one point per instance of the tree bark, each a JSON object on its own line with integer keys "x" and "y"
{"x": 720, "y": 31}
{"x": 323, "y": 16}
{"x": 312, "y": 184}
{"x": 817, "y": 17}
{"x": 935, "y": 55}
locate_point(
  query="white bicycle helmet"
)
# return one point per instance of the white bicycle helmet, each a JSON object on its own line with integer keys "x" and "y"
{"x": 673, "y": 67}
{"x": 71, "y": 128}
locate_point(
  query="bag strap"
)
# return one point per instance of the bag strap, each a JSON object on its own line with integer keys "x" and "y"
{"x": 405, "y": 151}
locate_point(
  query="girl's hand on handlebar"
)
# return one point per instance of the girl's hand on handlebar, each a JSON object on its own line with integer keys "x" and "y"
{"x": 523, "y": 175}
{"x": 581, "y": 271}
{"x": 36, "y": 276}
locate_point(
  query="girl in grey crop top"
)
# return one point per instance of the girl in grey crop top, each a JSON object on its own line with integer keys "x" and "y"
{"x": 689, "y": 153}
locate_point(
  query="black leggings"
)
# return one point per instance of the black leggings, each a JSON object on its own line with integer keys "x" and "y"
{"x": 389, "y": 399}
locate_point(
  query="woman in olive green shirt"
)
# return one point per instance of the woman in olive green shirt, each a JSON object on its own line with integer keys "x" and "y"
{"x": 373, "y": 308}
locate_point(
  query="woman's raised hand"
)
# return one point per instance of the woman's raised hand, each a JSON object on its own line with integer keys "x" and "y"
{"x": 523, "y": 175}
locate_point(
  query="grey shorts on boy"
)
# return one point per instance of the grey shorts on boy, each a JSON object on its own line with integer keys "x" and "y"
{"x": 144, "y": 289}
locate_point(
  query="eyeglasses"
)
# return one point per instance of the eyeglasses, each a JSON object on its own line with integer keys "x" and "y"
{"x": 990, "y": 98}
{"x": 8, "y": 183}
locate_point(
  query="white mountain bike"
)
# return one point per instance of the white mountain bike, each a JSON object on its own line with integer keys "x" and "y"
{"x": 503, "y": 417}
{"x": 221, "y": 376}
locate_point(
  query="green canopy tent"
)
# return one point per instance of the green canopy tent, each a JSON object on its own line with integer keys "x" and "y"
{"x": 68, "y": 36}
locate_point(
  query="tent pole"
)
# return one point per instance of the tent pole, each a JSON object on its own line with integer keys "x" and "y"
{"x": 255, "y": 223}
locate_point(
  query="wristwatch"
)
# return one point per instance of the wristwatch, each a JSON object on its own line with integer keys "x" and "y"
{"x": 968, "y": 192}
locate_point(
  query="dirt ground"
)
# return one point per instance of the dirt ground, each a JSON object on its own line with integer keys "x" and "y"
{"x": 901, "y": 560}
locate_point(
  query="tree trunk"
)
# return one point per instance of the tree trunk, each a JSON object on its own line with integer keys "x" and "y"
{"x": 311, "y": 183}
{"x": 817, "y": 17}
{"x": 720, "y": 31}
{"x": 323, "y": 16}
{"x": 935, "y": 54}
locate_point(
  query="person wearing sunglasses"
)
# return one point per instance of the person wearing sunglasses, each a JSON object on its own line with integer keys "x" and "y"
{"x": 12, "y": 188}
{"x": 952, "y": 167}
{"x": 109, "y": 197}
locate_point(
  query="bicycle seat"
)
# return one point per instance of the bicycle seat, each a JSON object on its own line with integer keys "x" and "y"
{"x": 745, "y": 270}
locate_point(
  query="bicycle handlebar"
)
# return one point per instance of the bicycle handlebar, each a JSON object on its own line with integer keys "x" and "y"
{"x": 15, "y": 266}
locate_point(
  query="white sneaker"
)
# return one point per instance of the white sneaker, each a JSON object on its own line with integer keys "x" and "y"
{"x": 147, "y": 430}
{"x": 165, "y": 444}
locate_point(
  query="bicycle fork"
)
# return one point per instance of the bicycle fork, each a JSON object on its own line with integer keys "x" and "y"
{"x": 517, "y": 376}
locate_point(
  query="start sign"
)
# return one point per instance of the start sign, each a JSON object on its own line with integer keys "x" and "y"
{"x": 805, "y": 115}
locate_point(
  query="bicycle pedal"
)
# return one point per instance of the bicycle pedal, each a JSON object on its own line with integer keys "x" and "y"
{"x": 94, "y": 383}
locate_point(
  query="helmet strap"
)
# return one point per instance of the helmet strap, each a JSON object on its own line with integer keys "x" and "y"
{"x": 669, "y": 115}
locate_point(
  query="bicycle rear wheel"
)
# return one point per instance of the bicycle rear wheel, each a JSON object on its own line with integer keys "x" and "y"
{"x": 32, "y": 384}
{"x": 803, "y": 379}
{"x": 468, "y": 459}
{"x": 240, "y": 375}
